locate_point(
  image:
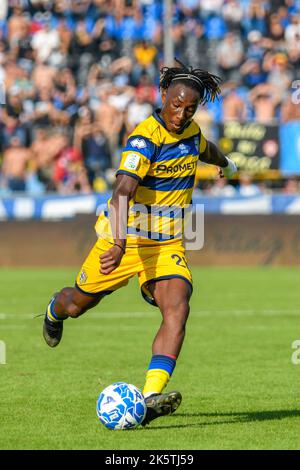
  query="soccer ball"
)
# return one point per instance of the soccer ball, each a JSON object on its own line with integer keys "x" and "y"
{"x": 121, "y": 406}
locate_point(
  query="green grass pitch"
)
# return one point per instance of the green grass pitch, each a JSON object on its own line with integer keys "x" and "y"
{"x": 240, "y": 389}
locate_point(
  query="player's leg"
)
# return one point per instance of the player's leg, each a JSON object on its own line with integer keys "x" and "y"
{"x": 91, "y": 286}
{"x": 172, "y": 297}
{"x": 166, "y": 282}
{"x": 69, "y": 302}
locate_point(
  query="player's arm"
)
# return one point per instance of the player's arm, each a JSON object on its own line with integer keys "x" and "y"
{"x": 134, "y": 165}
{"x": 214, "y": 156}
{"x": 124, "y": 191}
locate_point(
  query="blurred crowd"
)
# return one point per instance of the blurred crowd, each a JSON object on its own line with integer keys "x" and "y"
{"x": 76, "y": 77}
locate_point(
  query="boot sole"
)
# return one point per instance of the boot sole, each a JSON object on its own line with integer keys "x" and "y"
{"x": 52, "y": 342}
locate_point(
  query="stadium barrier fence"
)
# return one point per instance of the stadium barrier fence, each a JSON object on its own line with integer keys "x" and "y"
{"x": 251, "y": 240}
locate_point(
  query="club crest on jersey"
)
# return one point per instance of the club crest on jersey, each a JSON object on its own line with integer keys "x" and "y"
{"x": 196, "y": 141}
{"x": 83, "y": 277}
{"x": 132, "y": 161}
{"x": 139, "y": 143}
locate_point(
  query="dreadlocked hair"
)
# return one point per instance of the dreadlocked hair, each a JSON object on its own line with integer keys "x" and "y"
{"x": 207, "y": 84}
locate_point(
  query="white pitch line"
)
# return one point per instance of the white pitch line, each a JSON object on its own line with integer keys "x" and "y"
{"x": 123, "y": 315}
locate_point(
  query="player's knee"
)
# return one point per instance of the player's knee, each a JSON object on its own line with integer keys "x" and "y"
{"x": 67, "y": 302}
{"x": 74, "y": 310}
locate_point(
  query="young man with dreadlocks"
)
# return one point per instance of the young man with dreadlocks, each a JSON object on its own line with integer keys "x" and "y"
{"x": 157, "y": 170}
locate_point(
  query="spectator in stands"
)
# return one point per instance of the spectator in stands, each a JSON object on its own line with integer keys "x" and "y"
{"x": 45, "y": 41}
{"x": 256, "y": 46}
{"x": 188, "y": 7}
{"x": 232, "y": 12}
{"x": 215, "y": 27}
{"x": 252, "y": 73}
{"x": 15, "y": 160}
{"x": 290, "y": 109}
{"x": 210, "y": 7}
{"x": 265, "y": 98}
{"x": 14, "y": 102}
{"x": 148, "y": 89}
{"x": 47, "y": 145}
{"x": 291, "y": 186}
{"x": 110, "y": 113}
{"x": 57, "y": 58}
{"x": 70, "y": 173}
{"x": 84, "y": 125}
{"x": 230, "y": 53}
{"x": 64, "y": 93}
{"x": 292, "y": 31}
{"x": 256, "y": 16}
{"x": 280, "y": 76}
{"x": 18, "y": 27}
{"x": 205, "y": 120}
{"x": 137, "y": 111}
{"x": 247, "y": 187}
{"x": 43, "y": 76}
{"x": 276, "y": 31}
{"x": 222, "y": 188}
{"x": 144, "y": 54}
{"x": 96, "y": 151}
{"x": 194, "y": 43}
{"x": 294, "y": 56}
{"x": 12, "y": 128}
{"x": 178, "y": 38}
{"x": 234, "y": 107}
{"x": 39, "y": 146}
{"x": 92, "y": 142}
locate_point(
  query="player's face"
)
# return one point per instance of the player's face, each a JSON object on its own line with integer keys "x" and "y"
{"x": 179, "y": 105}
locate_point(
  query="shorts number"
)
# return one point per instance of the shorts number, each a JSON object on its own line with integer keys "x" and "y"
{"x": 180, "y": 261}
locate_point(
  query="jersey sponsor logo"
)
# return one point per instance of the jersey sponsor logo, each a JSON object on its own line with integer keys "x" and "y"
{"x": 176, "y": 168}
{"x": 132, "y": 161}
{"x": 184, "y": 150}
{"x": 139, "y": 143}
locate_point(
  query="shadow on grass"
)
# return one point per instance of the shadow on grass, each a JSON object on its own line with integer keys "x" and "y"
{"x": 229, "y": 418}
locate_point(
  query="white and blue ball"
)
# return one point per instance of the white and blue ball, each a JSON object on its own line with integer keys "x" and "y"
{"x": 121, "y": 406}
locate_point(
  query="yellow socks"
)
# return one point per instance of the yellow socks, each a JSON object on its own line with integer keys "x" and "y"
{"x": 159, "y": 372}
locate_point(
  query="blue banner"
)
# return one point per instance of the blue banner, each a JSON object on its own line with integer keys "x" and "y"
{"x": 290, "y": 148}
{"x": 66, "y": 207}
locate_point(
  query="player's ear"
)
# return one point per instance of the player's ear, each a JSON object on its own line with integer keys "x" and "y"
{"x": 163, "y": 95}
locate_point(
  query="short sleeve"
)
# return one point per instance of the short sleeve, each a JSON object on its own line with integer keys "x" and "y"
{"x": 136, "y": 157}
{"x": 203, "y": 144}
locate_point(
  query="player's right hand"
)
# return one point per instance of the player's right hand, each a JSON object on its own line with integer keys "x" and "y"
{"x": 229, "y": 170}
{"x": 111, "y": 259}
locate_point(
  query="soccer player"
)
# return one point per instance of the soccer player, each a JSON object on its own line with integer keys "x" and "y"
{"x": 156, "y": 172}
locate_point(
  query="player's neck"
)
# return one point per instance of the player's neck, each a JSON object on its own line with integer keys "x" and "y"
{"x": 158, "y": 115}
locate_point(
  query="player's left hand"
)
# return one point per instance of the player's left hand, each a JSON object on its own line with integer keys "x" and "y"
{"x": 229, "y": 170}
{"x": 111, "y": 259}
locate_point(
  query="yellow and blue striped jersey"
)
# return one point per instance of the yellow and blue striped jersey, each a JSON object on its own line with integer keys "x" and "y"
{"x": 165, "y": 165}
